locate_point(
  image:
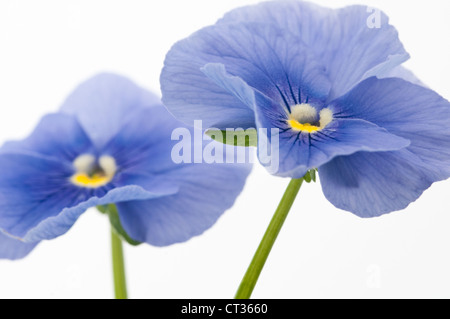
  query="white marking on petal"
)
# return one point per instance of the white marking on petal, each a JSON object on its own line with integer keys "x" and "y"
{"x": 84, "y": 163}
{"x": 326, "y": 116}
{"x": 108, "y": 165}
{"x": 304, "y": 113}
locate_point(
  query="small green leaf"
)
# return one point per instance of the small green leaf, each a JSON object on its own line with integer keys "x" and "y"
{"x": 111, "y": 211}
{"x": 307, "y": 177}
{"x": 313, "y": 174}
{"x": 238, "y": 137}
{"x": 310, "y": 176}
{"x": 103, "y": 209}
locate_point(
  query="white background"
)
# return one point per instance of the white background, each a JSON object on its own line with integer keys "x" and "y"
{"x": 49, "y": 47}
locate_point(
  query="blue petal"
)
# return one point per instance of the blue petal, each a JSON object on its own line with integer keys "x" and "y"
{"x": 349, "y": 45}
{"x": 201, "y": 192}
{"x": 32, "y": 188}
{"x": 37, "y": 200}
{"x": 263, "y": 57}
{"x": 371, "y": 184}
{"x": 190, "y": 95}
{"x": 14, "y": 249}
{"x": 144, "y": 140}
{"x": 142, "y": 149}
{"x": 206, "y": 192}
{"x": 405, "y": 74}
{"x": 57, "y": 135}
{"x": 59, "y": 224}
{"x": 104, "y": 102}
{"x": 409, "y": 111}
{"x": 233, "y": 84}
{"x": 301, "y": 151}
{"x": 341, "y": 137}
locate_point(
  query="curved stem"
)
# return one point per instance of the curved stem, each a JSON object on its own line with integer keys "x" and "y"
{"x": 259, "y": 259}
{"x": 120, "y": 286}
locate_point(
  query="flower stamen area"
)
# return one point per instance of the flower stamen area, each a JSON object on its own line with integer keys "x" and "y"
{"x": 91, "y": 173}
{"x": 304, "y": 118}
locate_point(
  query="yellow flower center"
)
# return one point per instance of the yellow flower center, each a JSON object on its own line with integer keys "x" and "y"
{"x": 93, "y": 174}
{"x": 94, "y": 181}
{"x": 302, "y": 127}
{"x": 303, "y": 118}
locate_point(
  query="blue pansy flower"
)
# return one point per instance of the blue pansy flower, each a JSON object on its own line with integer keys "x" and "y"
{"x": 331, "y": 84}
{"x": 110, "y": 143}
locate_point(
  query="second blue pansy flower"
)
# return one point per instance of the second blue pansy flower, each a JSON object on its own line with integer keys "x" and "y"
{"x": 331, "y": 85}
{"x": 111, "y": 143}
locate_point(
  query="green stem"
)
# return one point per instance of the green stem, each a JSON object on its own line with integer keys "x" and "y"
{"x": 120, "y": 286}
{"x": 259, "y": 259}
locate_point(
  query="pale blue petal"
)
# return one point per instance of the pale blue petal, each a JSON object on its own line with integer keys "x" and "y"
{"x": 263, "y": 57}
{"x": 31, "y": 189}
{"x": 37, "y": 200}
{"x": 405, "y": 74}
{"x": 353, "y": 43}
{"x": 143, "y": 148}
{"x": 206, "y": 192}
{"x": 190, "y": 95}
{"x": 301, "y": 151}
{"x": 14, "y": 249}
{"x": 372, "y": 184}
{"x": 144, "y": 143}
{"x": 203, "y": 191}
{"x": 342, "y": 137}
{"x": 59, "y": 224}
{"x": 59, "y": 136}
{"x": 104, "y": 102}
{"x": 409, "y": 111}
{"x": 233, "y": 84}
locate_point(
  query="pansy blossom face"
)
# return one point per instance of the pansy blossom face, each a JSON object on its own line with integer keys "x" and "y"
{"x": 330, "y": 85}
{"x": 110, "y": 143}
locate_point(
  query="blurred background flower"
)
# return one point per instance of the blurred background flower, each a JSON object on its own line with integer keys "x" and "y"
{"x": 111, "y": 144}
